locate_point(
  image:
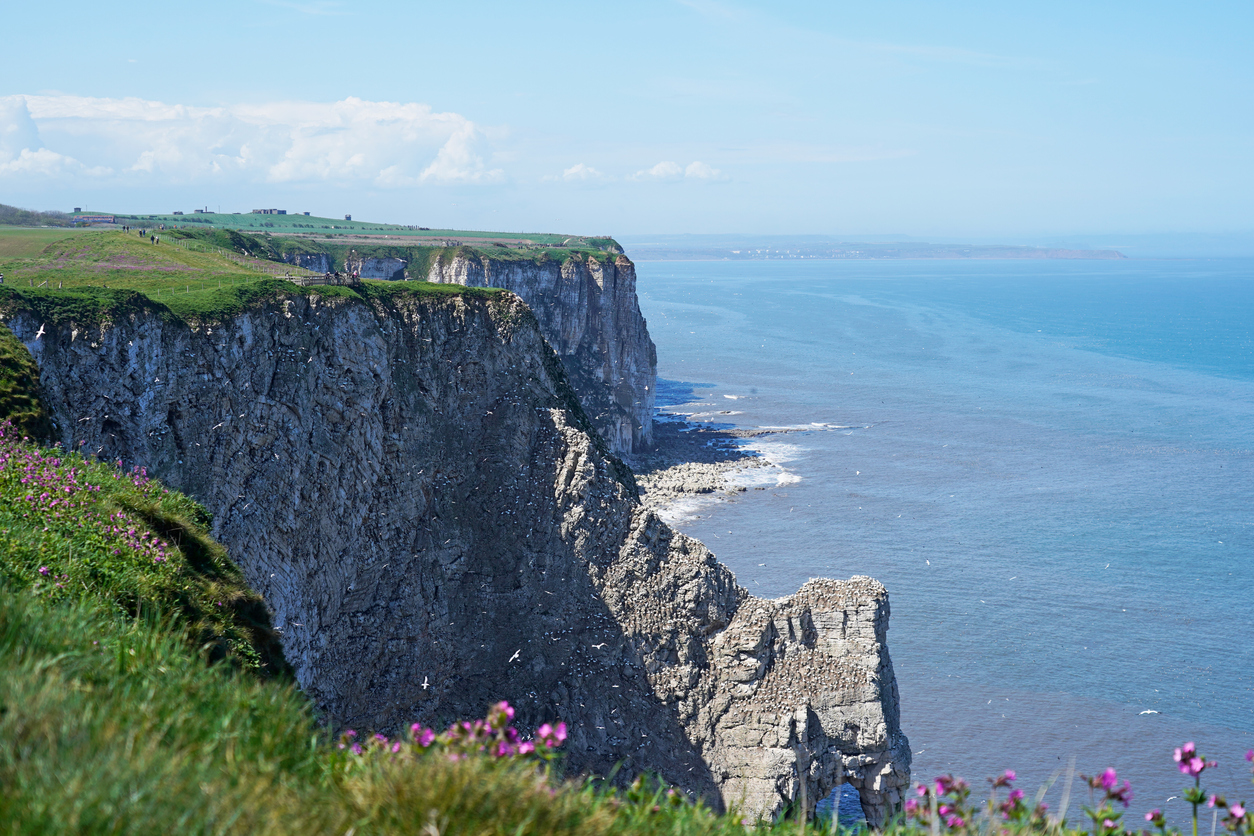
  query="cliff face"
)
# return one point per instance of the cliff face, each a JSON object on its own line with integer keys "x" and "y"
{"x": 589, "y": 313}
{"x": 408, "y": 484}
{"x": 318, "y": 262}
{"x": 391, "y": 269}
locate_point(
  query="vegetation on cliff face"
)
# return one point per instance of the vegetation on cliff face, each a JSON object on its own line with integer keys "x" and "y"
{"x": 19, "y": 389}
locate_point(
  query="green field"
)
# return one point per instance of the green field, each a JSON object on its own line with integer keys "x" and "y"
{"x": 332, "y": 227}
{"x": 27, "y": 242}
{"x": 69, "y": 259}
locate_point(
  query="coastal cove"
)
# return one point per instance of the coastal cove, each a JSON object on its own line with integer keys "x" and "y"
{"x": 1047, "y": 464}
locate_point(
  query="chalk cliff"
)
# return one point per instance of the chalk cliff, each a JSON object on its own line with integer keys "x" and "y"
{"x": 409, "y": 481}
{"x": 588, "y": 311}
{"x": 389, "y": 268}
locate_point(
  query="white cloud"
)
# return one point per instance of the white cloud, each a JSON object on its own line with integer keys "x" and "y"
{"x": 667, "y": 171}
{"x": 698, "y": 170}
{"x": 349, "y": 142}
{"x": 664, "y": 170}
{"x": 583, "y": 173}
{"x": 48, "y": 164}
{"x": 17, "y": 129}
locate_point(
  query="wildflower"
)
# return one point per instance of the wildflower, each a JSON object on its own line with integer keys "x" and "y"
{"x": 43, "y": 570}
{"x": 1109, "y": 779}
{"x": 955, "y": 821}
{"x": 1237, "y": 810}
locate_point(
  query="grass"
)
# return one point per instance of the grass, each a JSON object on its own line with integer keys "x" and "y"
{"x": 25, "y": 242}
{"x": 303, "y": 224}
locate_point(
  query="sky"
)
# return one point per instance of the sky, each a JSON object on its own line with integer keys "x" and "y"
{"x": 929, "y": 119}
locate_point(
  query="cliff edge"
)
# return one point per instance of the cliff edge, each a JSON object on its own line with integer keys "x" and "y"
{"x": 588, "y": 311}
{"x": 409, "y": 481}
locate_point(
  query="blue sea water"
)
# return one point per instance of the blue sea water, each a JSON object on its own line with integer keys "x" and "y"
{"x": 1049, "y": 464}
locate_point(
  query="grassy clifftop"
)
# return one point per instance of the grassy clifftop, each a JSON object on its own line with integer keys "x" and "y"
{"x": 204, "y": 274}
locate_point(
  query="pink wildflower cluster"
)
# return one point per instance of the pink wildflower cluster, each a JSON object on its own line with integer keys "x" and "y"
{"x": 1237, "y": 817}
{"x": 1104, "y": 814}
{"x": 945, "y": 804}
{"x": 947, "y": 797}
{"x": 57, "y": 493}
{"x": 494, "y": 736}
{"x": 1190, "y": 762}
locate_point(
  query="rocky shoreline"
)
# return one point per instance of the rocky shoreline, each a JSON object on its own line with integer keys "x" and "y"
{"x": 692, "y": 459}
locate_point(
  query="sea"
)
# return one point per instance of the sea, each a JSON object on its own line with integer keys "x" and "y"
{"x": 1048, "y": 463}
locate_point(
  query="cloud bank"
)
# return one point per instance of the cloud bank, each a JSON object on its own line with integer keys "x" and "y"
{"x": 349, "y": 142}
{"x": 667, "y": 171}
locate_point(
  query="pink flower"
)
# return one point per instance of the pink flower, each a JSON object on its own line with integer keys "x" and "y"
{"x": 427, "y": 738}
{"x": 1107, "y": 823}
{"x": 1249, "y": 756}
{"x": 955, "y": 821}
{"x": 43, "y": 570}
{"x": 1109, "y": 779}
{"x": 1237, "y": 811}
{"x": 1010, "y": 774}
{"x": 1151, "y": 814}
{"x": 526, "y": 747}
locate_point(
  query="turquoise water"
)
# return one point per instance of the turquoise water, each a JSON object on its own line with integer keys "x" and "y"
{"x": 1049, "y": 464}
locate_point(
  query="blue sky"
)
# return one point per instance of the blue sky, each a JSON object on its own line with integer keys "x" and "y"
{"x": 926, "y": 119}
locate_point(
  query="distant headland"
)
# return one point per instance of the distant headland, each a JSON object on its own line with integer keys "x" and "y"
{"x": 760, "y": 247}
